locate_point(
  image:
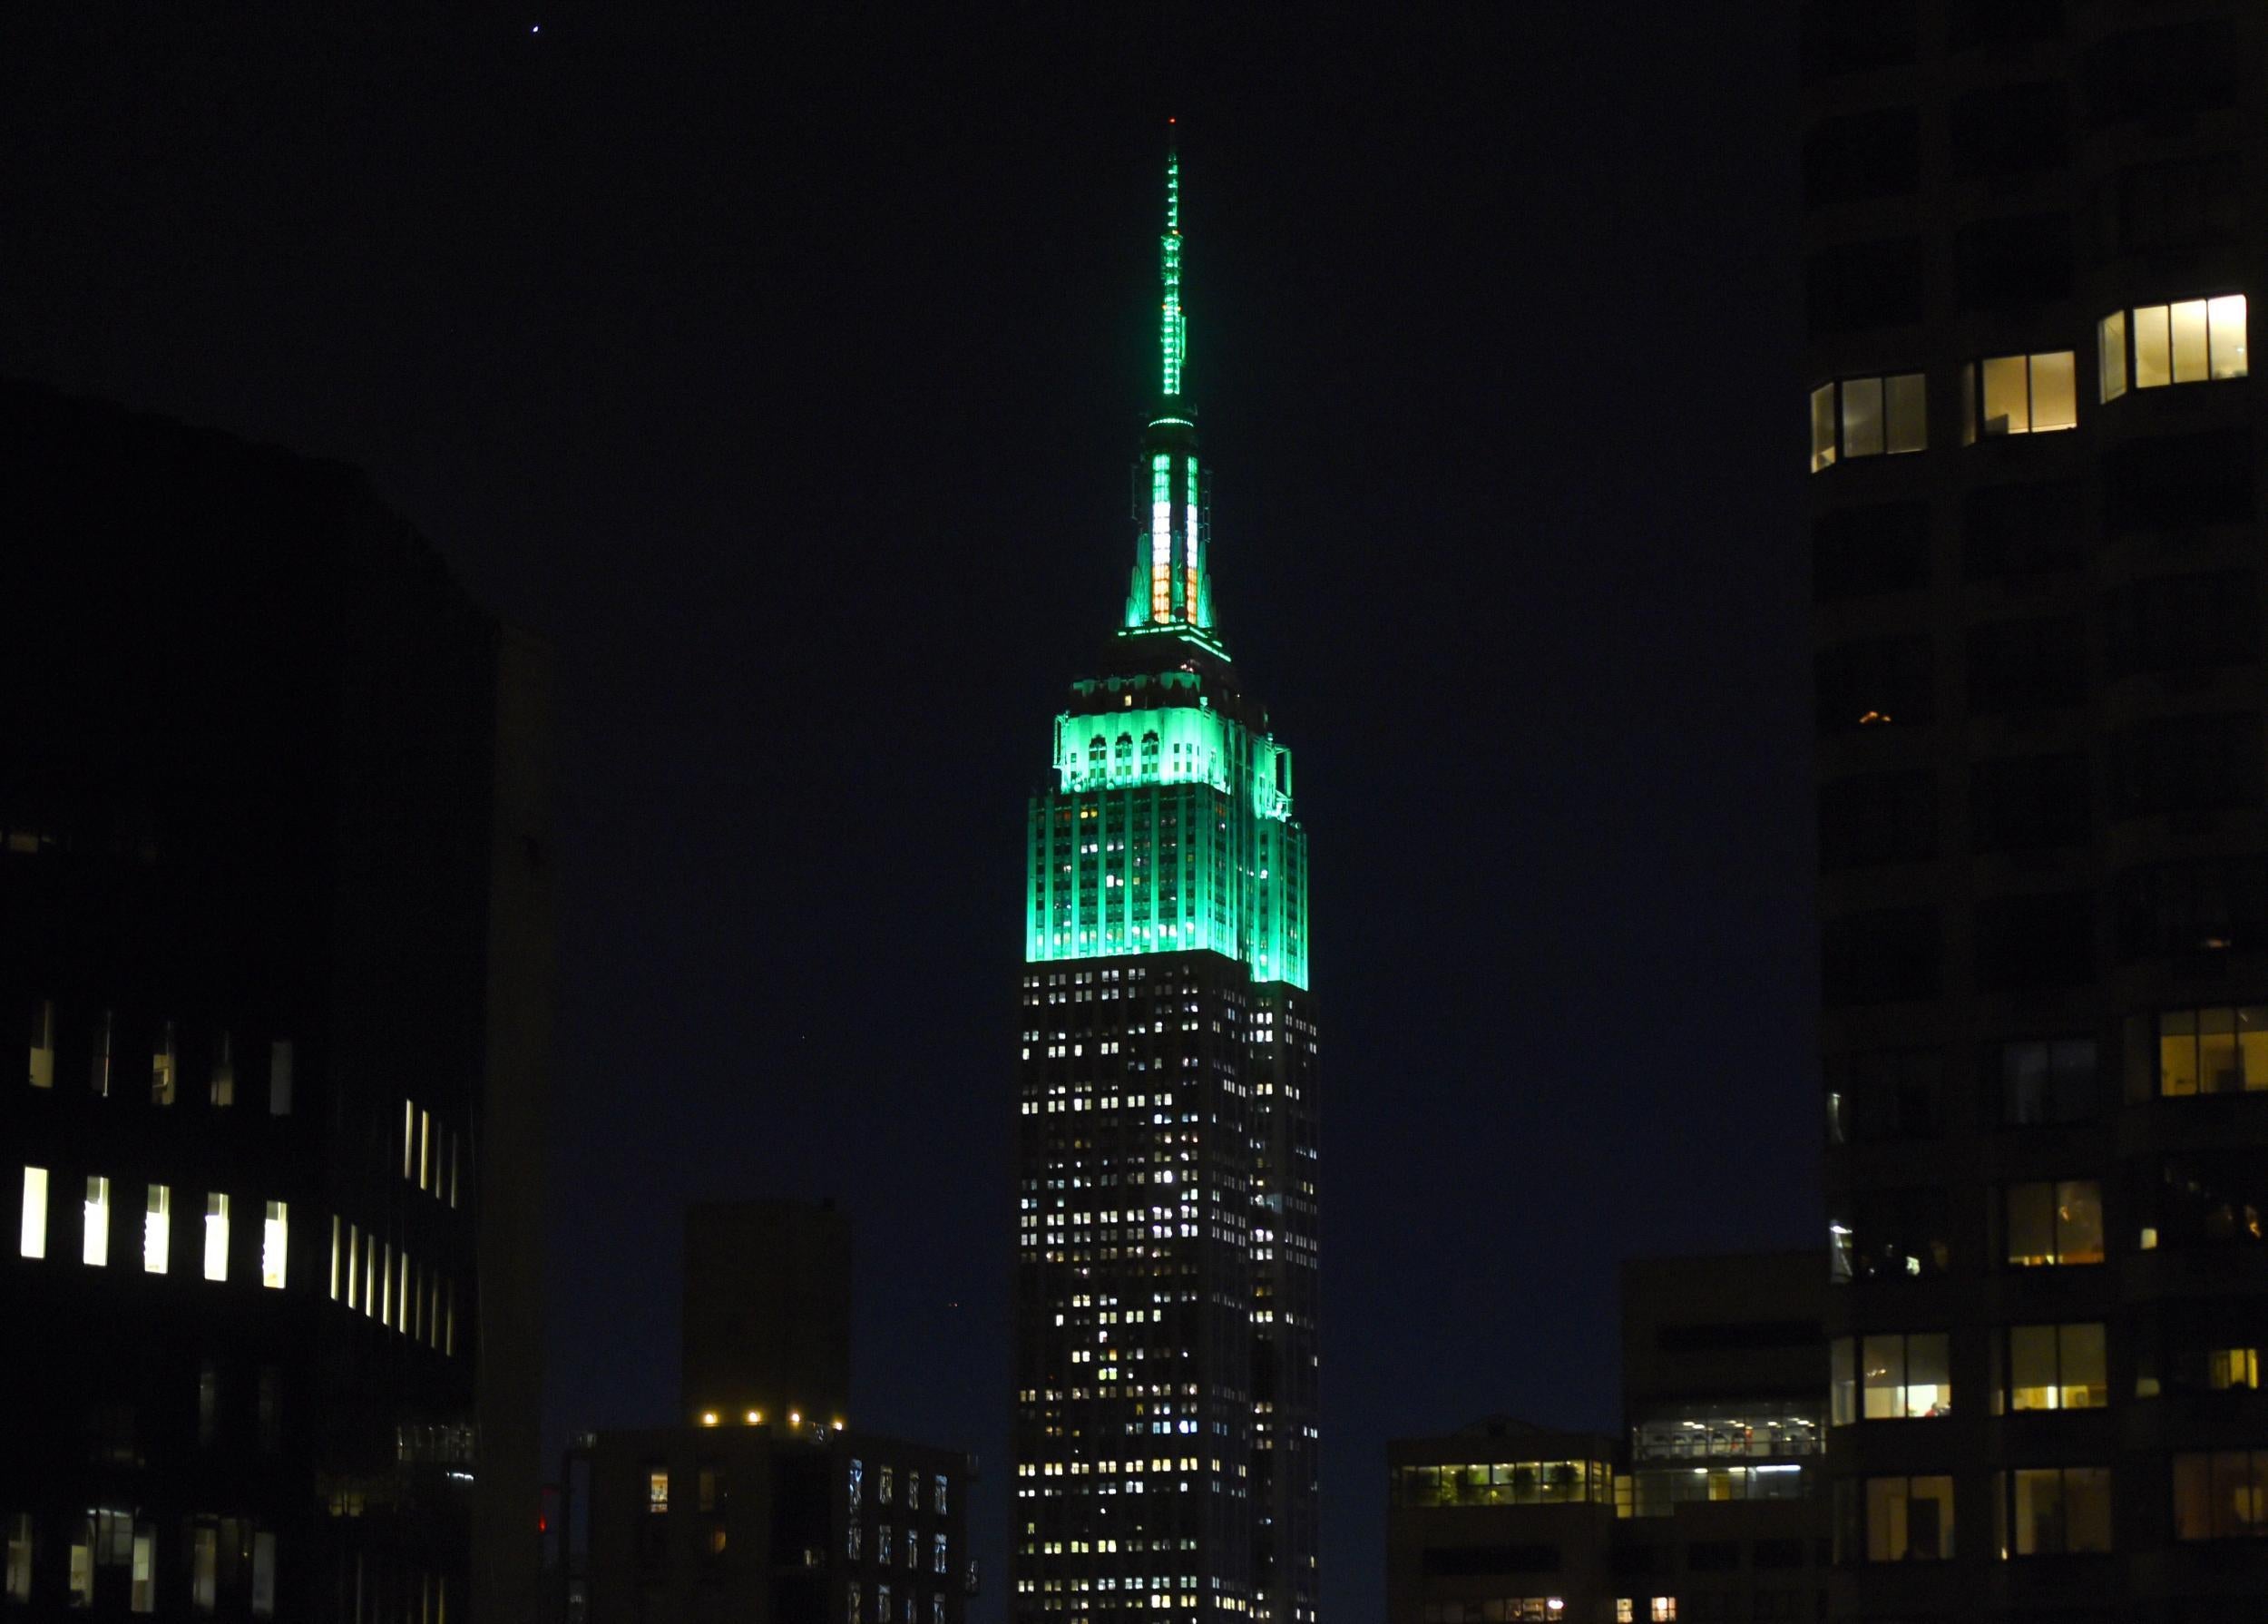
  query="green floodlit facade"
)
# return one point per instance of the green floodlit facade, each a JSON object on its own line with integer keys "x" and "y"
{"x": 1169, "y": 828}
{"x": 1169, "y": 824}
{"x": 1165, "y": 1439}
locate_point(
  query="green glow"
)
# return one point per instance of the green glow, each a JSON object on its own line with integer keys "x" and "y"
{"x": 1169, "y": 828}
{"x": 1171, "y": 588}
{"x": 1174, "y": 335}
{"x": 1169, "y": 825}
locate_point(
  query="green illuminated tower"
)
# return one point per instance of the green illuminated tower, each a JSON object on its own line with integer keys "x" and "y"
{"x": 1166, "y": 1438}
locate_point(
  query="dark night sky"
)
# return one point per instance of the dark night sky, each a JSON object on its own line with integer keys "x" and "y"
{"x": 785, "y": 375}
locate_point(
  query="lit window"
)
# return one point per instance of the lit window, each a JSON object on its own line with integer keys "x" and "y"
{"x": 43, "y": 1044}
{"x": 2227, "y": 1367}
{"x": 853, "y": 1612}
{"x": 2052, "y": 1224}
{"x": 2058, "y": 1367}
{"x": 1663, "y": 1608}
{"x": 2221, "y": 1496}
{"x": 224, "y": 1072}
{"x": 2212, "y": 1050}
{"x": 161, "y": 1067}
{"x": 2110, "y": 340}
{"x": 882, "y": 1604}
{"x": 216, "y": 1236}
{"x": 1897, "y": 1377}
{"x": 279, "y": 1059}
{"x": 657, "y": 1491}
{"x": 94, "y": 1246}
{"x": 157, "y": 1230}
{"x": 410, "y": 1137}
{"x": 2019, "y": 394}
{"x": 2190, "y": 342}
{"x": 142, "y": 1595}
{"x": 1909, "y": 1519}
{"x": 19, "y": 1574}
{"x": 2055, "y": 1511}
{"x": 31, "y": 1238}
{"x": 274, "y": 1245}
{"x": 939, "y": 1502}
{"x": 1869, "y": 416}
{"x": 81, "y": 1571}
{"x": 335, "y": 1256}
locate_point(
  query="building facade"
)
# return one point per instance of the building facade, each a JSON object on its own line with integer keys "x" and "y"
{"x": 1710, "y": 1507}
{"x": 1166, "y": 1434}
{"x": 735, "y": 1522}
{"x": 2031, "y": 234}
{"x": 274, "y": 923}
{"x": 763, "y": 1507}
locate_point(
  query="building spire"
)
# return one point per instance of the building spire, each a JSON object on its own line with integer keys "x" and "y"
{"x": 1171, "y": 587}
{"x": 1174, "y": 338}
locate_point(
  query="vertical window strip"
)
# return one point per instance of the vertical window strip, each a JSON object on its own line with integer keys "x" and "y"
{"x": 275, "y": 1244}
{"x": 157, "y": 1230}
{"x": 215, "y": 1236}
{"x": 94, "y": 1247}
{"x": 32, "y": 1235}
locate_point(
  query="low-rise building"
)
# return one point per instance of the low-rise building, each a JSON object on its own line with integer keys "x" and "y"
{"x": 1708, "y": 1507}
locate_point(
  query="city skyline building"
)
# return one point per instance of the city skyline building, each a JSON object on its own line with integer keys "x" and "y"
{"x": 274, "y": 933}
{"x": 2032, "y": 232}
{"x": 763, "y": 1504}
{"x": 1165, "y": 1435}
{"x": 1709, "y": 1504}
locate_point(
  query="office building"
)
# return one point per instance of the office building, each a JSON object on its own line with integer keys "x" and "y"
{"x": 2031, "y": 235}
{"x": 764, "y": 1506}
{"x": 768, "y": 1524}
{"x": 1165, "y": 1434}
{"x": 1708, "y": 1507}
{"x": 274, "y": 939}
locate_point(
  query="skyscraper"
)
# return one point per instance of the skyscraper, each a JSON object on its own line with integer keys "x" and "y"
{"x": 1166, "y": 1440}
{"x": 275, "y": 941}
{"x": 2032, "y": 232}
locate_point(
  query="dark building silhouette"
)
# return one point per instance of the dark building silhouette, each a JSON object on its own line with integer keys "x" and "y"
{"x": 274, "y": 941}
{"x": 765, "y": 1507}
{"x": 1710, "y": 1506}
{"x": 1166, "y": 1434}
{"x": 2032, "y": 232}
{"x": 767, "y": 1311}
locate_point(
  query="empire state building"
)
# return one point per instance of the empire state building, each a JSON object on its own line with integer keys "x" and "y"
{"x": 1166, "y": 1440}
